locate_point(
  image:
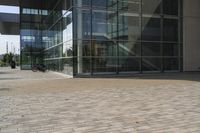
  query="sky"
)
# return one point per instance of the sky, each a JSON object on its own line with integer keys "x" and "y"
{"x": 13, "y": 41}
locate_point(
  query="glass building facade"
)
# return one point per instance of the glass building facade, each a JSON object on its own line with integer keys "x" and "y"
{"x": 93, "y": 37}
{"x": 31, "y": 33}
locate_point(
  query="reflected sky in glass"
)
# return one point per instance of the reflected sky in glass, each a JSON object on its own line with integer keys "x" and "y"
{"x": 9, "y": 9}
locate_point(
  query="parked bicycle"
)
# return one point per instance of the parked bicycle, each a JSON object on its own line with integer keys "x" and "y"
{"x": 38, "y": 67}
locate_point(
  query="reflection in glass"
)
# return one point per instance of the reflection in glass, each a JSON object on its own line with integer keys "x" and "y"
{"x": 170, "y": 49}
{"x": 151, "y": 49}
{"x": 83, "y": 47}
{"x": 151, "y": 64}
{"x": 81, "y": 3}
{"x": 82, "y": 24}
{"x": 170, "y": 30}
{"x": 129, "y": 5}
{"x": 26, "y": 60}
{"x": 127, "y": 64}
{"x": 104, "y": 4}
{"x": 89, "y": 37}
{"x": 151, "y": 7}
{"x": 68, "y": 49}
{"x": 170, "y": 7}
{"x": 129, "y": 48}
{"x": 151, "y": 29}
{"x": 67, "y": 27}
{"x": 58, "y": 39}
{"x": 129, "y": 26}
{"x": 171, "y": 64}
{"x": 104, "y": 48}
{"x": 104, "y": 65}
{"x": 83, "y": 66}
{"x": 67, "y": 66}
{"x": 104, "y": 25}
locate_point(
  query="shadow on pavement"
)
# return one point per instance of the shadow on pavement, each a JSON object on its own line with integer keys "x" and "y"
{"x": 5, "y": 72}
{"x": 9, "y": 78}
{"x": 5, "y": 89}
{"x": 188, "y": 76}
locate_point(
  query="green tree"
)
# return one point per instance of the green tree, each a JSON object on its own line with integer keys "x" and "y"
{"x": 2, "y": 63}
{"x": 7, "y": 58}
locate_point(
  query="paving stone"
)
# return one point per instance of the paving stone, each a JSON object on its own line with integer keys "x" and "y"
{"x": 112, "y": 106}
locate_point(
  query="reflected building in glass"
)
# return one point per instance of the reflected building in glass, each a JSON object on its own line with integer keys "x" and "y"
{"x": 100, "y": 37}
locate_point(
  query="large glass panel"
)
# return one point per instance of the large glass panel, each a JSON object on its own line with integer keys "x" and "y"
{"x": 151, "y": 49}
{"x": 57, "y": 11}
{"x": 151, "y": 29}
{"x": 129, "y": 48}
{"x": 68, "y": 49}
{"x": 151, "y": 6}
{"x": 26, "y": 47}
{"x": 58, "y": 51}
{"x": 83, "y": 48}
{"x": 170, "y": 7}
{"x": 151, "y": 64}
{"x": 54, "y": 52}
{"x": 31, "y": 41}
{"x": 67, "y": 4}
{"x": 129, "y": 5}
{"x": 26, "y": 60}
{"x": 50, "y": 35}
{"x": 104, "y": 4}
{"x": 129, "y": 26}
{"x": 67, "y": 26}
{"x": 81, "y": 3}
{"x": 170, "y": 49}
{"x": 58, "y": 39}
{"x": 82, "y": 24}
{"x": 54, "y": 64}
{"x": 83, "y": 66}
{"x": 127, "y": 64}
{"x": 171, "y": 64}
{"x": 37, "y": 58}
{"x": 170, "y": 30}
{"x": 104, "y": 65}
{"x": 104, "y": 25}
{"x": 48, "y": 4}
{"x": 67, "y": 66}
{"x": 104, "y": 48}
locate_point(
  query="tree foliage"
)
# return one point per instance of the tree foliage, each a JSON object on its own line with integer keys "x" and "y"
{"x": 7, "y": 58}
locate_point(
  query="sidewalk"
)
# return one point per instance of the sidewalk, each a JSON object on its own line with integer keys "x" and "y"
{"x": 101, "y": 105}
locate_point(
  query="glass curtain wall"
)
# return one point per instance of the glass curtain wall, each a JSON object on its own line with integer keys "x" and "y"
{"x": 91, "y": 37}
{"x": 31, "y": 30}
{"x": 127, "y": 36}
{"x": 58, "y": 36}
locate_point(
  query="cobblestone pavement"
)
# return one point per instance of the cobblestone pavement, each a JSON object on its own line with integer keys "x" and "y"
{"x": 15, "y": 74}
{"x": 144, "y": 104}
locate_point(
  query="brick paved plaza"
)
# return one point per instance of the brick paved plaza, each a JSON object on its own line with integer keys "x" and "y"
{"x": 49, "y": 102}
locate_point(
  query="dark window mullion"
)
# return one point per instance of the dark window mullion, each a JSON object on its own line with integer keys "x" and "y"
{"x": 162, "y": 27}
{"x": 118, "y": 58}
{"x": 180, "y": 32}
{"x": 141, "y": 20}
{"x": 91, "y": 41}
